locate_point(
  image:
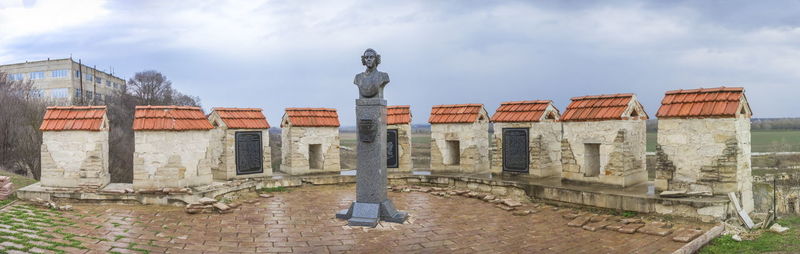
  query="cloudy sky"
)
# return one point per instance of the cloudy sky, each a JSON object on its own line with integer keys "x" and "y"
{"x": 278, "y": 54}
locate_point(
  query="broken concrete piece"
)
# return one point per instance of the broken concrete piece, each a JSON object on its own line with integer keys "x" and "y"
{"x": 265, "y": 195}
{"x": 630, "y": 228}
{"x": 700, "y": 193}
{"x": 777, "y": 228}
{"x": 614, "y": 226}
{"x": 504, "y": 207}
{"x": 631, "y": 221}
{"x": 686, "y": 235}
{"x": 570, "y": 216}
{"x": 511, "y": 203}
{"x": 221, "y": 206}
{"x": 748, "y": 223}
{"x": 206, "y": 201}
{"x": 580, "y": 221}
{"x": 736, "y": 238}
{"x": 235, "y": 204}
{"x": 596, "y": 225}
{"x": 599, "y": 218}
{"x": 673, "y": 194}
{"x": 652, "y": 230}
{"x": 488, "y": 197}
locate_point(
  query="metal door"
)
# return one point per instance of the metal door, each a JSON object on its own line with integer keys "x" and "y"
{"x": 249, "y": 153}
{"x": 516, "y": 150}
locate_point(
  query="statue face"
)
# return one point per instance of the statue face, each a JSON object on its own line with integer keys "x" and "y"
{"x": 370, "y": 59}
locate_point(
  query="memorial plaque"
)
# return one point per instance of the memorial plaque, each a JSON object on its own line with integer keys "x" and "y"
{"x": 366, "y": 130}
{"x": 249, "y": 153}
{"x": 392, "y": 154}
{"x": 516, "y": 153}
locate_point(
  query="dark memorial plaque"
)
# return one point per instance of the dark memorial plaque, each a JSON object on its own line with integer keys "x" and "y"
{"x": 516, "y": 153}
{"x": 249, "y": 153}
{"x": 392, "y": 154}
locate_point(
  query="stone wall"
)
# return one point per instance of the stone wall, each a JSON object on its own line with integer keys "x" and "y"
{"x": 174, "y": 159}
{"x": 226, "y": 168}
{"x": 545, "y": 147}
{"x": 73, "y": 159}
{"x": 621, "y": 151}
{"x": 473, "y": 140}
{"x": 705, "y": 155}
{"x": 295, "y": 143}
{"x": 786, "y": 191}
{"x": 404, "y": 147}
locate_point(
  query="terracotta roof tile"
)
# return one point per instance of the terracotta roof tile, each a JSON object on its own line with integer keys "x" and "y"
{"x": 313, "y": 117}
{"x": 703, "y": 102}
{"x": 398, "y": 114}
{"x": 597, "y": 108}
{"x": 521, "y": 111}
{"x": 86, "y": 118}
{"x": 457, "y": 113}
{"x": 242, "y": 118}
{"x": 169, "y": 118}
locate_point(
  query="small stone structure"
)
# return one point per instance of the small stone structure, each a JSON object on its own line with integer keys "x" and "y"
{"x": 459, "y": 138}
{"x": 174, "y": 148}
{"x": 704, "y": 143}
{"x": 604, "y": 140}
{"x": 74, "y": 151}
{"x": 244, "y": 134}
{"x": 310, "y": 141}
{"x": 398, "y": 120}
{"x": 534, "y": 138}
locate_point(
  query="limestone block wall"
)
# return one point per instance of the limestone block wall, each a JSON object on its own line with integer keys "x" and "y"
{"x": 225, "y": 169}
{"x": 72, "y": 159}
{"x": 174, "y": 159}
{"x": 473, "y": 145}
{"x": 621, "y": 151}
{"x": 296, "y": 149}
{"x": 404, "y": 147}
{"x": 710, "y": 154}
{"x": 545, "y": 147}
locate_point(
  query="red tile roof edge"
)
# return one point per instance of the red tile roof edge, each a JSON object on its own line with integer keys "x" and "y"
{"x": 168, "y": 107}
{"x": 602, "y": 96}
{"x": 527, "y": 102}
{"x": 76, "y": 107}
{"x": 707, "y": 90}
{"x": 458, "y": 105}
{"x": 235, "y": 109}
{"x": 310, "y": 109}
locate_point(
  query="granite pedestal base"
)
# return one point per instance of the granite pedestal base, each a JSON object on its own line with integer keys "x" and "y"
{"x": 368, "y": 214}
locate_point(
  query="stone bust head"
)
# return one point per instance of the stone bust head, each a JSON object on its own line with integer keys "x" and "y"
{"x": 370, "y": 58}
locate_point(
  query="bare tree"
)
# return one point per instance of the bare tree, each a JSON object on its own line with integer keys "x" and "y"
{"x": 153, "y": 88}
{"x": 21, "y": 115}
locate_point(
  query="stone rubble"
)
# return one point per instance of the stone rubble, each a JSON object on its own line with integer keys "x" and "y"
{"x": 686, "y": 235}
{"x": 210, "y": 205}
{"x": 6, "y": 187}
{"x": 264, "y": 195}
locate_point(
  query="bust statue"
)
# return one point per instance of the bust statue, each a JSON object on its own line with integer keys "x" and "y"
{"x": 371, "y": 82}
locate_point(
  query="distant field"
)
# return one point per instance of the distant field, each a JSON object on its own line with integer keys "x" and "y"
{"x": 762, "y": 141}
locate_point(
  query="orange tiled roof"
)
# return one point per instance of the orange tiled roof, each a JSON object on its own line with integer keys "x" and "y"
{"x": 520, "y": 111}
{"x": 313, "y": 117}
{"x": 398, "y": 114}
{"x": 170, "y": 118}
{"x": 73, "y": 118}
{"x": 457, "y": 113}
{"x": 598, "y": 108}
{"x": 709, "y": 102}
{"x": 242, "y": 118}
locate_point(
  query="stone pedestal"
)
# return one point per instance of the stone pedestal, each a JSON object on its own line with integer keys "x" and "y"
{"x": 371, "y": 203}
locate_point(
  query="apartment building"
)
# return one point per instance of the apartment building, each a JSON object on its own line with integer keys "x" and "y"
{"x": 66, "y": 80}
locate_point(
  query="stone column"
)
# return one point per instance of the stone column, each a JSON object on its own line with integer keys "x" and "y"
{"x": 371, "y": 203}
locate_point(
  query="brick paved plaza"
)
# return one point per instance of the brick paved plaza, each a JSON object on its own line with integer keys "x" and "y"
{"x": 302, "y": 220}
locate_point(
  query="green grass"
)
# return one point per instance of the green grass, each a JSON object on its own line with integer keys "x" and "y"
{"x": 18, "y": 180}
{"x": 761, "y": 141}
{"x": 788, "y": 242}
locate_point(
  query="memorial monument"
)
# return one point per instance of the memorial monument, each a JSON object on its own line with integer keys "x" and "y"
{"x": 372, "y": 204}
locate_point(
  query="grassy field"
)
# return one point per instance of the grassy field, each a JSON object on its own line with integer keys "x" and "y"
{"x": 761, "y": 141}
{"x": 768, "y": 242}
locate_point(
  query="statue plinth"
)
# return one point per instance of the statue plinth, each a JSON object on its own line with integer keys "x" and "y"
{"x": 372, "y": 204}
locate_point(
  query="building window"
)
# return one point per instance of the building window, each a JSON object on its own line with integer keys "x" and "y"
{"x": 116, "y": 85}
{"x": 16, "y": 76}
{"x": 89, "y": 77}
{"x": 58, "y": 74}
{"x": 78, "y": 93}
{"x": 77, "y": 74}
{"x": 99, "y": 80}
{"x": 59, "y": 92}
{"x": 37, "y": 75}
{"x": 108, "y": 83}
